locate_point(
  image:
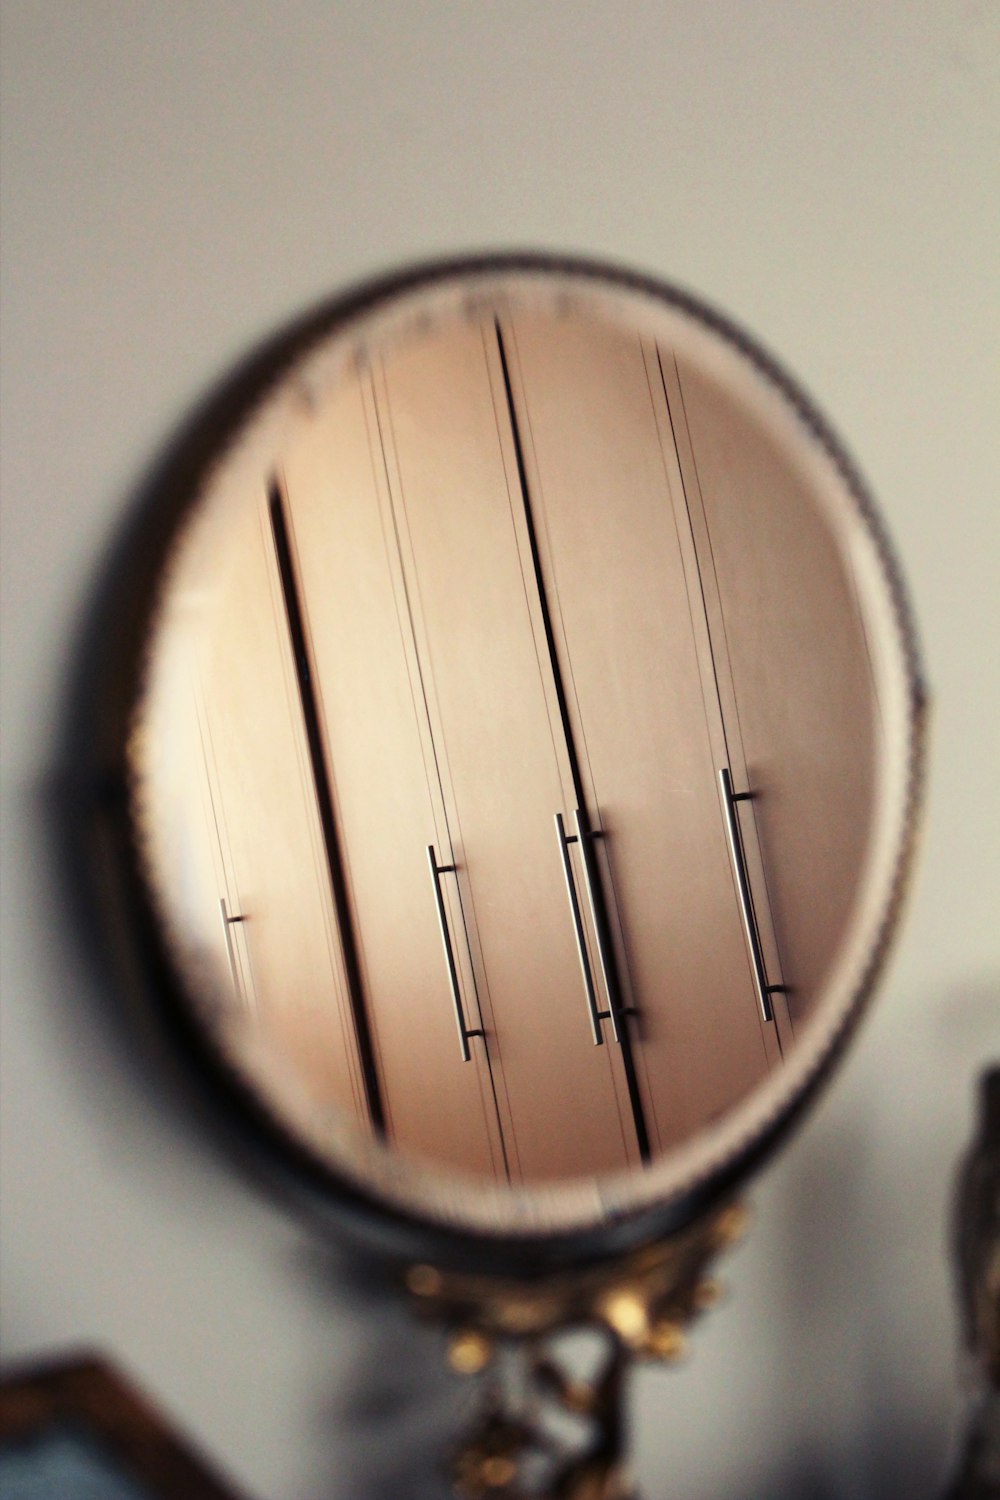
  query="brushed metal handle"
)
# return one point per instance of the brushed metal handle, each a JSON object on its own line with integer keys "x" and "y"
{"x": 585, "y": 838}
{"x": 227, "y": 923}
{"x": 594, "y": 1010}
{"x": 464, "y": 1032}
{"x": 736, "y": 854}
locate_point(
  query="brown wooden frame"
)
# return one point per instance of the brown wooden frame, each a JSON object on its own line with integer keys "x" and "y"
{"x": 86, "y": 1395}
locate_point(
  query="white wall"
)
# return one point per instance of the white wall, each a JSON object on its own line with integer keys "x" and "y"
{"x": 178, "y": 179}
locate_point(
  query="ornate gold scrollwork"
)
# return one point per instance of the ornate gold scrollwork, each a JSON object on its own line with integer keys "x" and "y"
{"x": 541, "y": 1429}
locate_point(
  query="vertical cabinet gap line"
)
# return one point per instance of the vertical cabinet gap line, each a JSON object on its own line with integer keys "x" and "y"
{"x": 733, "y": 827}
{"x": 586, "y": 836}
{"x": 324, "y": 799}
{"x": 698, "y": 559}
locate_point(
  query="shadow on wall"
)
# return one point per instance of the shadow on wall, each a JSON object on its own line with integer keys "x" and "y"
{"x": 873, "y": 1381}
{"x": 397, "y": 1412}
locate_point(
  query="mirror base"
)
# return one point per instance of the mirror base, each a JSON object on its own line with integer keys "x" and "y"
{"x": 541, "y": 1427}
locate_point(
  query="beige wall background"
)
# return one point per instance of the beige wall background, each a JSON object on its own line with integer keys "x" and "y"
{"x": 178, "y": 179}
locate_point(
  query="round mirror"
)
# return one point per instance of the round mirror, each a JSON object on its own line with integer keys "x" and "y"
{"x": 521, "y": 754}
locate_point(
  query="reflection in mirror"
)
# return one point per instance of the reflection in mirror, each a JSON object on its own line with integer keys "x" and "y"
{"x": 509, "y": 750}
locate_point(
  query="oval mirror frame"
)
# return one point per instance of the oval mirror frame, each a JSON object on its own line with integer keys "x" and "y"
{"x": 403, "y": 1209}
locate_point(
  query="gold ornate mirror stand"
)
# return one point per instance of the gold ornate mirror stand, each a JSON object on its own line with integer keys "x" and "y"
{"x": 541, "y": 1428}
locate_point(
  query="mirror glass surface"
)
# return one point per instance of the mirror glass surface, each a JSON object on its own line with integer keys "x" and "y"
{"x": 521, "y": 763}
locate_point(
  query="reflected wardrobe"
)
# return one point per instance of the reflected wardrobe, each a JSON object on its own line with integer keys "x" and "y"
{"x": 513, "y": 809}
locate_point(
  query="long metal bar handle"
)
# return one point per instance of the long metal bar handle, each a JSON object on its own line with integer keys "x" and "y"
{"x": 464, "y": 1032}
{"x": 227, "y": 923}
{"x": 735, "y": 837}
{"x": 596, "y": 1014}
{"x": 585, "y": 839}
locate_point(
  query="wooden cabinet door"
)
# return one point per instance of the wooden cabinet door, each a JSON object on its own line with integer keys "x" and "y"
{"x": 457, "y": 508}
{"x": 285, "y": 941}
{"x": 385, "y": 782}
{"x": 601, "y": 470}
{"x": 792, "y": 668}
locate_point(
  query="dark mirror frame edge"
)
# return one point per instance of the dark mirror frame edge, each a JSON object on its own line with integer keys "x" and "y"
{"x": 106, "y": 891}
